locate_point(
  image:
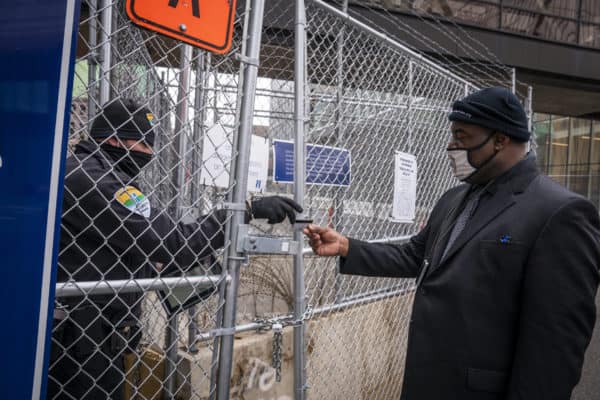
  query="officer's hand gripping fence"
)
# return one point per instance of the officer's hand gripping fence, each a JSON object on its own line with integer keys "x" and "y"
{"x": 126, "y": 324}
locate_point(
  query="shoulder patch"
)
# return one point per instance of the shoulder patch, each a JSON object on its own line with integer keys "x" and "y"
{"x": 150, "y": 118}
{"x": 134, "y": 200}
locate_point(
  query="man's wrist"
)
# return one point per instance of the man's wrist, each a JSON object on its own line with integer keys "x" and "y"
{"x": 344, "y": 246}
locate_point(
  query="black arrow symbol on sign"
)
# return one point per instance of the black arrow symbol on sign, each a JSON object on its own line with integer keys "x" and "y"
{"x": 195, "y": 6}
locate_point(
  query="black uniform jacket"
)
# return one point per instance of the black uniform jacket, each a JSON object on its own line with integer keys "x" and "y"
{"x": 509, "y": 312}
{"x": 101, "y": 238}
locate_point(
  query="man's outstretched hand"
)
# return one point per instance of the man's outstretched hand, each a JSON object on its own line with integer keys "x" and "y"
{"x": 326, "y": 241}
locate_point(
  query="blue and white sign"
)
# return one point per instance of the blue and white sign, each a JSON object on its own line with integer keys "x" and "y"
{"x": 37, "y": 47}
{"x": 325, "y": 165}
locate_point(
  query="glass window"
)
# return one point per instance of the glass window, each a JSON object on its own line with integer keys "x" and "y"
{"x": 476, "y": 12}
{"x": 538, "y": 25}
{"x": 590, "y": 10}
{"x": 560, "y": 8}
{"x": 541, "y": 129}
{"x": 589, "y": 35}
{"x": 594, "y": 194}
{"x": 579, "y": 155}
{"x": 559, "y": 146}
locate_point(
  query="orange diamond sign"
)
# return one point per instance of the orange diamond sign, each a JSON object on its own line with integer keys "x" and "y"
{"x": 203, "y": 23}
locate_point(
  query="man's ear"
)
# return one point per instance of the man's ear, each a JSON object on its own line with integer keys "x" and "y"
{"x": 500, "y": 140}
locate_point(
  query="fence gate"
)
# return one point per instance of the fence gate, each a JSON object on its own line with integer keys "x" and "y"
{"x": 160, "y": 293}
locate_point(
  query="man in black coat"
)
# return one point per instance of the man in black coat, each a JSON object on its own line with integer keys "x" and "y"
{"x": 507, "y": 268}
{"x": 110, "y": 231}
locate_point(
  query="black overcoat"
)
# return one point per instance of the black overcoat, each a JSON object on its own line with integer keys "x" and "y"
{"x": 509, "y": 311}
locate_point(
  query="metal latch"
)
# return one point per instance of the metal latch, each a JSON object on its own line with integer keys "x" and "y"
{"x": 264, "y": 245}
{"x": 231, "y": 206}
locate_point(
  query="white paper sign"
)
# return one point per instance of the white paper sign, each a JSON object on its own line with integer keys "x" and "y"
{"x": 405, "y": 187}
{"x": 216, "y": 157}
{"x": 258, "y": 169}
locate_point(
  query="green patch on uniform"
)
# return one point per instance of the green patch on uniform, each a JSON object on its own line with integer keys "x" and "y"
{"x": 131, "y": 198}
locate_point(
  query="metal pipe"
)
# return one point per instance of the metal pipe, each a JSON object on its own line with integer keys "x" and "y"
{"x": 73, "y": 288}
{"x": 200, "y": 94}
{"x": 216, "y": 353}
{"x": 411, "y": 77}
{"x": 530, "y": 107}
{"x": 338, "y": 203}
{"x": 196, "y": 148}
{"x": 92, "y": 62}
{"x": 589, "y": 169}
{"x": 300, "y": 113}
{"x": 253, "y": 326}
{"x": 214, "y": 364}
{"x": 105, "y": 49}
{"x": 171, "y": 335}
{"x": 532, "y": 144}
{"x": 181, "y": 125}
{"x": 514, "y": 80}
{"x": 374, "y": 292}
{"x": 250, "y": 74}
{"x": 359, "y": 302}
{"x": 386, "y": 39}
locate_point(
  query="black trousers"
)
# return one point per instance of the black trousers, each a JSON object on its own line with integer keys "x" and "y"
{"x": 85, "y": 364}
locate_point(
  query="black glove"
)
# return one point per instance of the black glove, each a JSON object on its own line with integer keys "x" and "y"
{"x": 274, "y": 209}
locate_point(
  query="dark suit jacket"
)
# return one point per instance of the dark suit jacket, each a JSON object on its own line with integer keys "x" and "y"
{"x": 509, "y": 312}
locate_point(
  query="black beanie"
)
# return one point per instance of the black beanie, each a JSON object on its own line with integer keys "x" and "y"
{"x": 127, "y": 119}
{"x": 495, "y": 108}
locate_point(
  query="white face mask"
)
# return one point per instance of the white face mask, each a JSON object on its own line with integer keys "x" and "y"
{"x": 461, "y": 167}
{"x": 459, "y": 160}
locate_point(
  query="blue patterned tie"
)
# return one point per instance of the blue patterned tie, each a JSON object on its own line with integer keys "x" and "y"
{"x": 463, "y": 218}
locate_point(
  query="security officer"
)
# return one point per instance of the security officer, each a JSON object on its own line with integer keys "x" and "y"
{"x": 110, "y": 231}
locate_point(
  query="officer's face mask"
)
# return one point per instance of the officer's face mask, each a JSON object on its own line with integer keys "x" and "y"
{"x": 129, "y": 161}
{"x": 460, "y": 159}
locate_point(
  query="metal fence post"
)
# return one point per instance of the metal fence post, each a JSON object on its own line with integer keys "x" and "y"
{"x": 529, "y": 111}
{"x": 92, "y": 62}
{"x": 530, "y": 107}
{"x": 513, "y": 76}
{"x": 179, "y": 181}
{"x": 411, "y": 77}
{"x": 338, "y": 205}
{"x": 195, "y": 160}
{"x": 299, "y": 179}
{"x": 235, "y": 259}
{"x": 105, "y": 49}
{"x": 216, "y": 354}
{"x": 195, "y": 167}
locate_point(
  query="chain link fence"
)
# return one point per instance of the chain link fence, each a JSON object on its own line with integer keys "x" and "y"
{"x": 143, "y": 279}
{"x": 375, "y": 98}
{"x": 139, "y": 265}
